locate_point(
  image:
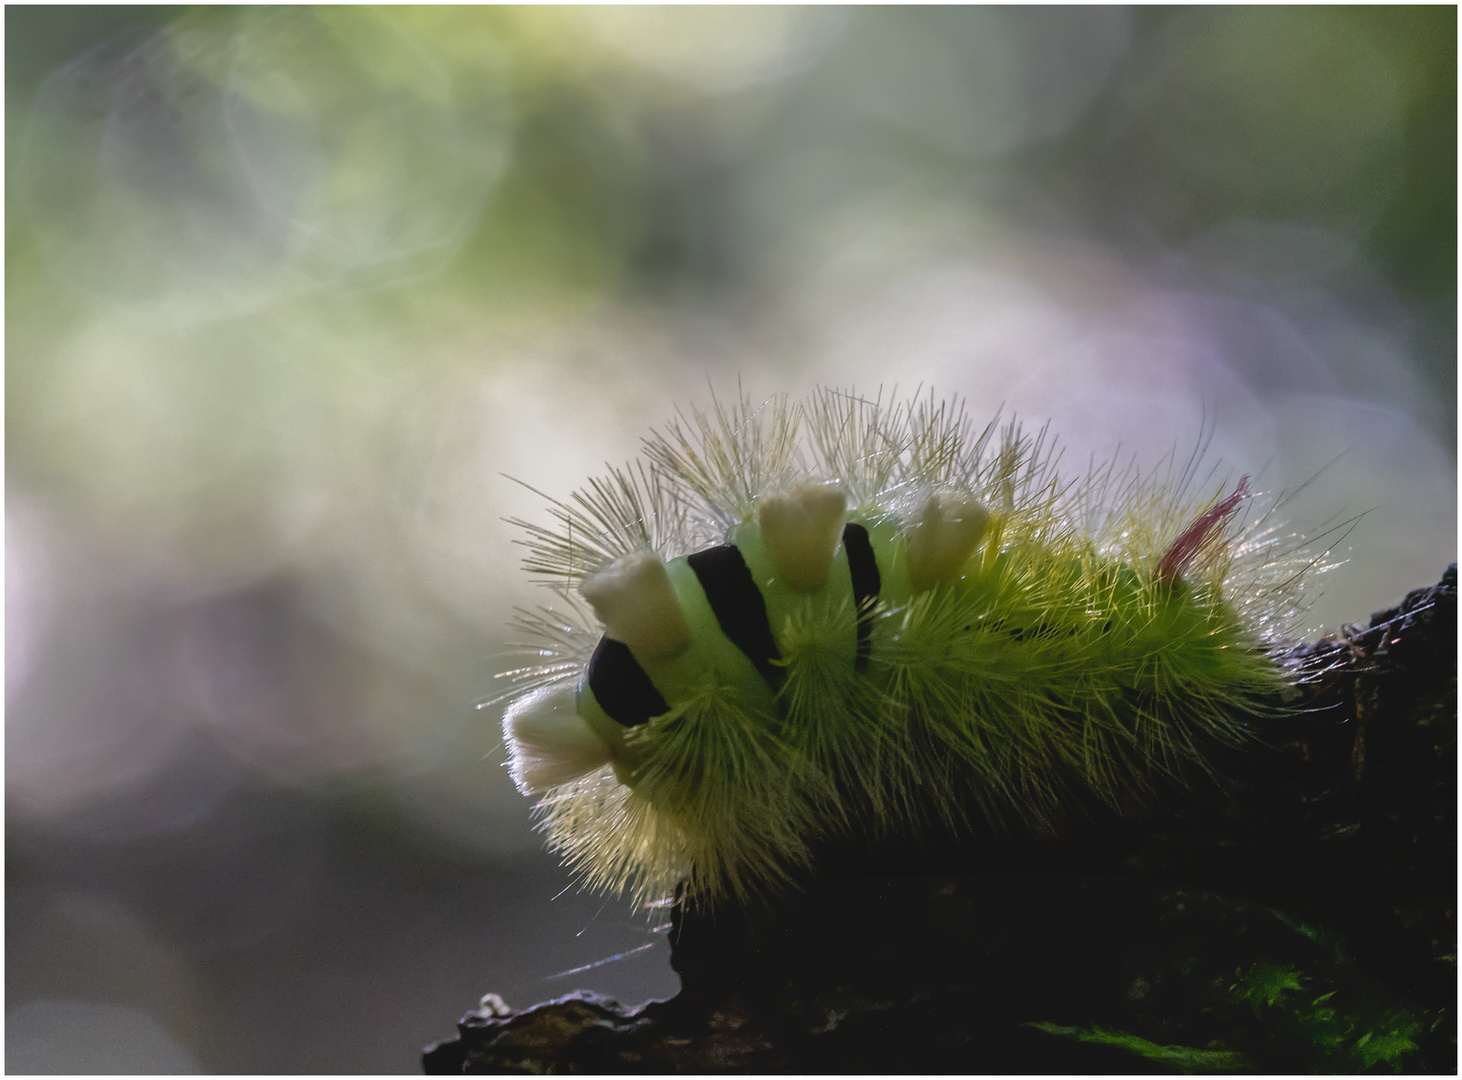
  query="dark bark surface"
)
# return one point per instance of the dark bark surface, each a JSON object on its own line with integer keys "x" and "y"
{"x": 1295, "y": 911}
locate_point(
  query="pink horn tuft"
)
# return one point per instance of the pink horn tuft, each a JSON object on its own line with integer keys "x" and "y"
{"x": 1181, "y": 554}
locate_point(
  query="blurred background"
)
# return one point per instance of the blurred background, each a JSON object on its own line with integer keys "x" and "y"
{"x": 289, "y": 291}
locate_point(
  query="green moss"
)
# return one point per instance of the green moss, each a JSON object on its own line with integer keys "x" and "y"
{"x": 1184, "y": 1059}
{"x": 1264, "y": 985}
{"x": 1341, "y": 1037}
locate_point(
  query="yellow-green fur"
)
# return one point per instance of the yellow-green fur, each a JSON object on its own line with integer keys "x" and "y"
{"x": 1057, "y": 660}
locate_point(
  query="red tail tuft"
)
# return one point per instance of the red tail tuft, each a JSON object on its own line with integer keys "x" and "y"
{"x": 1184, "y": 550}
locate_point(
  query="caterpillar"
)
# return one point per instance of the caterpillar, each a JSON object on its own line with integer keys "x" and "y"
{"x": 799, "y": 621}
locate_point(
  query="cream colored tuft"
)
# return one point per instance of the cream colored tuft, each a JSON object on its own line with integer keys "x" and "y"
{"x": 548, "y": 742}
{"x": 942, "y": 535}
{"x": 802, "y": 529}
{"x": 633, "y": 599}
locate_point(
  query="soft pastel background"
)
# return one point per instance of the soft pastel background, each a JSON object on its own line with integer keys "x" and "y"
{"x": 289, "y": 291}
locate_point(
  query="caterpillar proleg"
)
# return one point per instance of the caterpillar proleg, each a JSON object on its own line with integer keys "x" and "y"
{"x": 794, "y": 622}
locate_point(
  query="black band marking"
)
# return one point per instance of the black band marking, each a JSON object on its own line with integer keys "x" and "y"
{"x": 621, "y": 686}
{"x": 863, "y": 568}
{"x": 739, "y": 607}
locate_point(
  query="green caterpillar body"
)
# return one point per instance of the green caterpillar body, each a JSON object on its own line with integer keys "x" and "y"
{"x": 905, "y": 627}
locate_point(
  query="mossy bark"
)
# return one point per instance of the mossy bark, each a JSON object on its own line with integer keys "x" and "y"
{"x": 1294, "y": 911}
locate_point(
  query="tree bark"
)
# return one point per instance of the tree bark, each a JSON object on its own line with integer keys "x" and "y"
{"x": 1294, "y": 910}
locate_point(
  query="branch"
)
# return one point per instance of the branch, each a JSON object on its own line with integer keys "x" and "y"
{"x": 1295, "y": 911}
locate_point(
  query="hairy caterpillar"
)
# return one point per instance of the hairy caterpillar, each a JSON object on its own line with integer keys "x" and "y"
{"x": 834, "y": 617}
